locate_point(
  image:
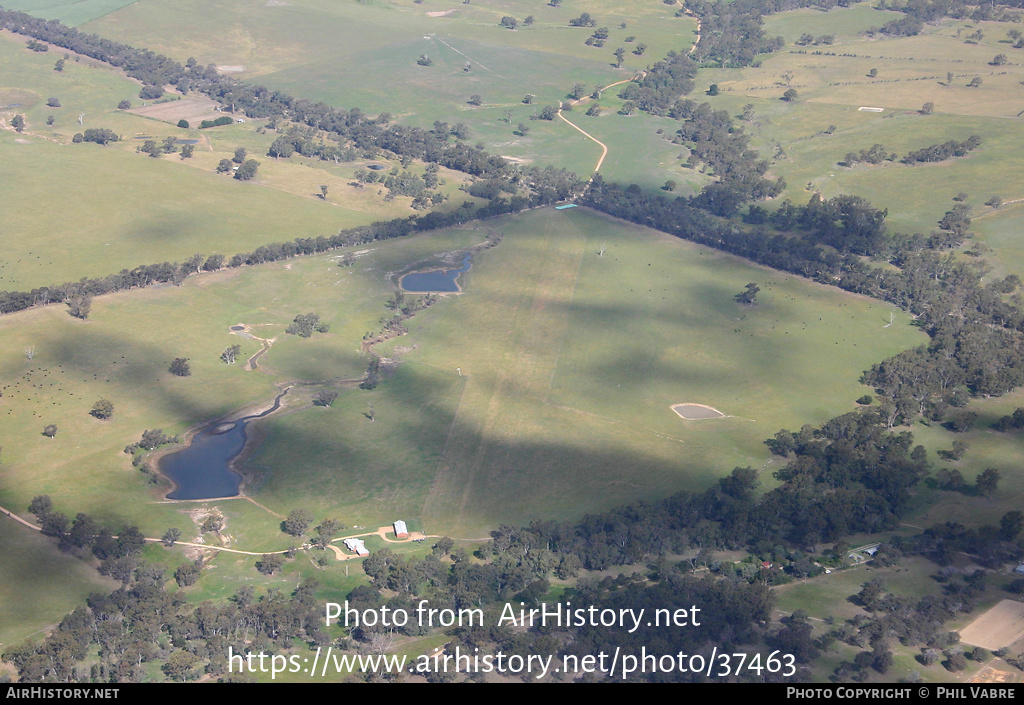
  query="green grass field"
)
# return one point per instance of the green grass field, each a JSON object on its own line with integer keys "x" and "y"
{"x": 910, "y": 72}
{"x": 38, "y": 583}
{"x": 109, "y": 208}
{"x": 557, "y": 413}
{"x": 544, "y": 389}
{"x": 563, "y": 406}
{"x": 309, "y": 48}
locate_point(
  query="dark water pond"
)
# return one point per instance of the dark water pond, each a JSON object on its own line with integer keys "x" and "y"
{"x": 438, "y": 280}
{"x": 202, "y": 471}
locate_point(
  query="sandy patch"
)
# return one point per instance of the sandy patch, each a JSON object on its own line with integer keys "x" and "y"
{"x": 691, "y": 411}
{"x": 517, "y": 160}
{"x": 235, "y": 68}
{"x": 991, "y": 674}
{"x": 1000, "y": 626}
{"x": 440, "y": 13}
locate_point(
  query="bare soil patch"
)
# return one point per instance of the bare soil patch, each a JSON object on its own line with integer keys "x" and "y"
{"x": 692, "y": 411}
{"x": 440, "y": 13}
{"x": 234, "y": 68}
{"x": 991, "y": 674}
{"x": 195, "y": 110}
{"x": 18, "y": 99}
{"x": 1000, "y": 626}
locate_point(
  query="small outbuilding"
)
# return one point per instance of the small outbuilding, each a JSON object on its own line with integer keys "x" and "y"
{"x": 401, "y": 530}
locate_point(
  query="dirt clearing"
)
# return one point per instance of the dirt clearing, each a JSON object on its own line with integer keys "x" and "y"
{"x": 194, "y": 110}
{"x": 1000, "y": 626}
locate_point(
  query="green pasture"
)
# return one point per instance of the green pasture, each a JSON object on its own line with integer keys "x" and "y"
{"x": 565, "y": 407}
{"x": 909, "y": 71}
{"x": 794, "y": 136}
{"x": 39, "y": 584}
{"x": 845, "y": 24}
{"x": 569, "y": 363}
{"x": 988, "y": 448}
{"x": 70, "y": 12}
{"x": 1000, "y": 230}
{"x": 82, "y": 210}
{"x": 309, "y": 49}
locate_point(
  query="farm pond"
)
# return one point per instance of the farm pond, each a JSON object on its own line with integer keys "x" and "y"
{"x": 203, "y": 469}
{"x": 438, "y": 280}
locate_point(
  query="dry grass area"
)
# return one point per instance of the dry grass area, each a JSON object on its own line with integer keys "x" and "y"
{"x": 1000, "y": 626}
{"x": 195, "y": 110}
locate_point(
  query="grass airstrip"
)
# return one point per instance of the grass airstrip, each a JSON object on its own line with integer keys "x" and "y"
{"x": 544, "y": 390}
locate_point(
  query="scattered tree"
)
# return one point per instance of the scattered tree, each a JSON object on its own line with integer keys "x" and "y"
{"x": 475, "y": 99}
{"x": 270, "y": 563}
{"x": 187, "y": 150}
{"x": 171, "y": 536}
{"x": 248, "y": 170}
{"x": 927, "y": 108}
{"x": 790, "y": 95}
{"x": 180, "y": 367}
{"x": 183, "y": 123}
{"x": 297, "y": 523}
{"x": 239, "y": 155}
{"x": 873, "y": 72}
{"x": 325, "y": 397}
{"x": 50, "y": 430}
{"x": 188, "y": 573}
{"x": 18, "y": 122}
{"x": 748, "y": 295}
{"x": 79, "y": 305}
{"x": 987, "y": 482}
{"x": 303, "y": 325}
{"x": 230, "y": 354}
{"x": 103, "y": 409}
{"x": 974, "y": 82}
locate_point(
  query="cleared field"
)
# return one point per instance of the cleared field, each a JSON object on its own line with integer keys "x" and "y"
{"x": 71, "y": 13}
{"x": 807, "y": 139}
{"x": 570, "y": 362}
{"x": 194, "y": 110}
{"x": 1000, "y": 626}
{"x": 309, "y": 49}
{"x": 81, "y": 210}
